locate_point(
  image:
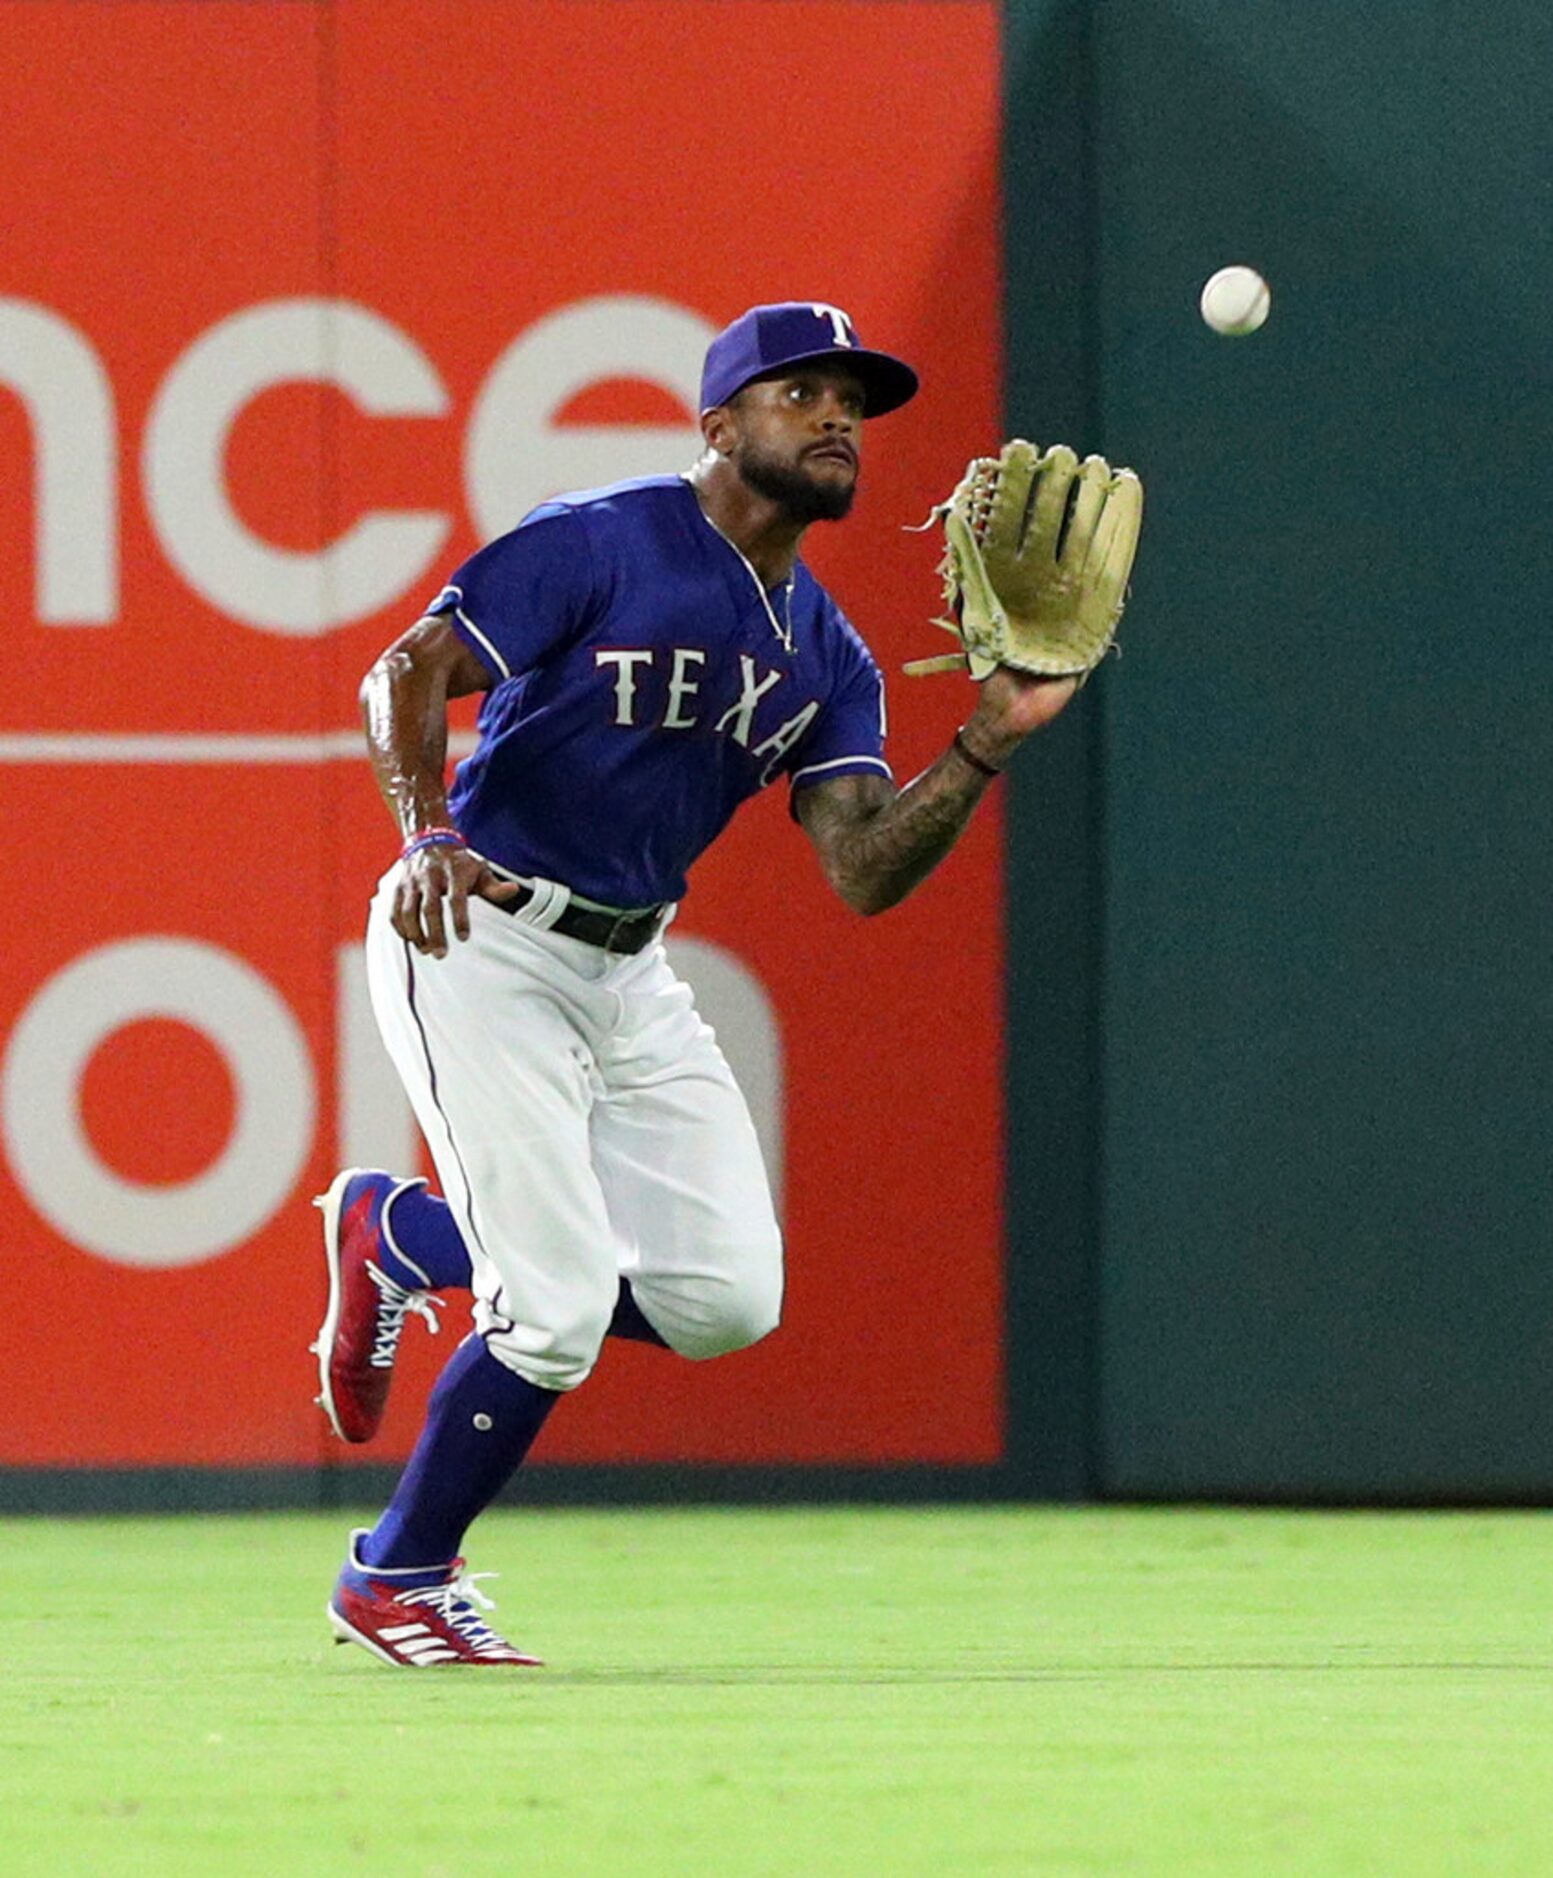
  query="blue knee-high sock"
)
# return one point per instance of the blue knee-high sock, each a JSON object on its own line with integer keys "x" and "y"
{"x": 480, "y": 1421}
{"x": 421, "y": 1226}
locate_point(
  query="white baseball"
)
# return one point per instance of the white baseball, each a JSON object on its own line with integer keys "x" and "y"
{"x": 1235, "y": 301}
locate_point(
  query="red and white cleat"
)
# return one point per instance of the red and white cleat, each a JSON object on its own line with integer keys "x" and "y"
{"x": 360, "y": 1336}
{"x": 416, "y": 1619}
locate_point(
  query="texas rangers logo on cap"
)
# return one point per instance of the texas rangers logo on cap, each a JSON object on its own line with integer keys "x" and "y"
{"x": 800, "y": 332}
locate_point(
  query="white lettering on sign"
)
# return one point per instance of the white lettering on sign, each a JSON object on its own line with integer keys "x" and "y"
{"x": 68, "y": 399}
{"x": 265, "y": 1052}
{"x": 285, "y": 590}
{"x": 261, "y": 1042}
{"x": 515, "y": 453}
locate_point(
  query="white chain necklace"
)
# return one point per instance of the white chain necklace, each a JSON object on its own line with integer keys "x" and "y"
{"x": 787, "y": 609}
{"x": 784, "y": 633}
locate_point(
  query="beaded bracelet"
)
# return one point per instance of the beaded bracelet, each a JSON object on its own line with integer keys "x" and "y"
{"x": 970, "y": 755}
{"x": 432, "y": 838}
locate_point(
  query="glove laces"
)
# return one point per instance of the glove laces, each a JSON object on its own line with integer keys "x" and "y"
{"x": 394, "y": 1306}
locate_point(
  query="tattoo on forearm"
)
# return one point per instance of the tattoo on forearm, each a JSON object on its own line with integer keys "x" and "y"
{"x": 879, "y": 859}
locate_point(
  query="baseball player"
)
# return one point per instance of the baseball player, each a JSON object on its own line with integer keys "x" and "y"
{"x": 651, "y": 655}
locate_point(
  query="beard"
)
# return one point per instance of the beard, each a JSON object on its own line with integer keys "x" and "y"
{"x": 801, "y": 498}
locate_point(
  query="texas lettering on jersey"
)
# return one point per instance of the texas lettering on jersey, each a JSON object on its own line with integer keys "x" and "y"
{"x": 738, "y": 721}
{"x": 644, "y": 685}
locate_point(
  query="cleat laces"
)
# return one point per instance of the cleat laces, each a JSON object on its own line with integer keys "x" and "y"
{"x": 454, "y": 1602}
{"x": 394, "y": 1305}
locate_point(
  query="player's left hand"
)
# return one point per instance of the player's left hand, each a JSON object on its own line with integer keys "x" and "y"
{"x": 1014, "y": 705}
{"x": 1038, "y": 548}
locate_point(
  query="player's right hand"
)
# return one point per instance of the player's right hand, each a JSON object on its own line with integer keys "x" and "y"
{"x": 436, "y": 875}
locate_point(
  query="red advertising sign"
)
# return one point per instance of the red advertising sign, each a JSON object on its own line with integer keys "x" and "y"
{"x": 297, "y": 306}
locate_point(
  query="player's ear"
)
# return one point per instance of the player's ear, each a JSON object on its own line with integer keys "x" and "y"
{"x": 719, "y": 428}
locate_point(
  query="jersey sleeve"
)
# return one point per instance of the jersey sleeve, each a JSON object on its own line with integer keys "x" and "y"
{"x": 847, "y": 738}
{"x": 524, "y": 594}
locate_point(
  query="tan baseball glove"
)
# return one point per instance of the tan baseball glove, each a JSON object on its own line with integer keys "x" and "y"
{"x": 1038, "y": 547}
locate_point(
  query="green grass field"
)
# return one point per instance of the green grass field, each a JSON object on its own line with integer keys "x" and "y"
{"x": 793, "y": 1692}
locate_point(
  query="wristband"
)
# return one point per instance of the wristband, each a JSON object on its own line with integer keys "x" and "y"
{"x": 970, "y": 755}
{"x": 432, "y": 838}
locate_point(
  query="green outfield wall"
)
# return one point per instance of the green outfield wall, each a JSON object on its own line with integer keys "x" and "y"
{"x": 1281, "y": 1089}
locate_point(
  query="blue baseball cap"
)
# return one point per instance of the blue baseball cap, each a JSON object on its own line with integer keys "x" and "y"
{"x": 798, "y": 332}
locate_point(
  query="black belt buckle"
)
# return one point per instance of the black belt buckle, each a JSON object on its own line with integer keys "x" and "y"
{"x": 615, "y": 933}
{"x": 626, "y": 926}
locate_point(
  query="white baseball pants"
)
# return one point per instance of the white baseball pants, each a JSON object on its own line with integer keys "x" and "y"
{"x": 585, "y": 1128}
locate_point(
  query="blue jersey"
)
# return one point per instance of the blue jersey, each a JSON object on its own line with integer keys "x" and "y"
{"x": 645, "y": 685}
